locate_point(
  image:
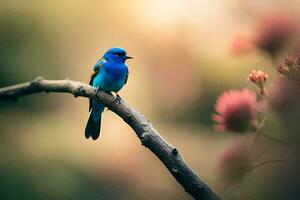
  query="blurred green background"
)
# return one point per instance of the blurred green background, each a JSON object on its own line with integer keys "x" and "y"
{"x": 182, "y": 63}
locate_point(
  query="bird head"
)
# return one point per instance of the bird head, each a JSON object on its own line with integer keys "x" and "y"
{"x": 116, "y": 55}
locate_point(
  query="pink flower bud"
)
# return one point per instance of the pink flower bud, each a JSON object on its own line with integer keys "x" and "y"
{"x": 258, "y": 77}
{"x": 283, "y": 70}
{"x": 289, "y": 62}
{"x": 290, "y": 68}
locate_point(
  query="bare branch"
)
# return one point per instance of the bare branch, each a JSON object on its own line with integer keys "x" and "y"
{"x": 147, "y": 134}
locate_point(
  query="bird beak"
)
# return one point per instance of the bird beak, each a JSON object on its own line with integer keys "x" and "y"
{"x": 128, "y": 57}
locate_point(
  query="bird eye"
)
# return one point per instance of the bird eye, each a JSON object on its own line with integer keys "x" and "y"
{"x": 120, "y": 54}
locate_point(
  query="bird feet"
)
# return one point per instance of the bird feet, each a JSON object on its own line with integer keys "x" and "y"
{"x": 117, "y": 99}
{"x": 97, "y": 89}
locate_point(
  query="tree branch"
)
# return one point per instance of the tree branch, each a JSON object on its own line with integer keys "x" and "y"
{"x": 147, "y": 134}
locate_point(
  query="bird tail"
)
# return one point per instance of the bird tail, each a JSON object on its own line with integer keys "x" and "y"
{"x": 93, "y": 126}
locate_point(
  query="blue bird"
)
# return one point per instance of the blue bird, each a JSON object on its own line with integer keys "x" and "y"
{"x": 110, "y": 75}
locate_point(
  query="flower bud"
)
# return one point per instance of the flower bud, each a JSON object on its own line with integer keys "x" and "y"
{"x": 259, "y": 78}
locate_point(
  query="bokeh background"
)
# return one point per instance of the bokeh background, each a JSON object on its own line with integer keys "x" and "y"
{"x": 184, "y": 58}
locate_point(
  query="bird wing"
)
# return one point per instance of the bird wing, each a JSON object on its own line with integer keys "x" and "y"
{"x": 126, "y": 77}
{"x": 99, "y": 64}
{"x": 97, "y": 68}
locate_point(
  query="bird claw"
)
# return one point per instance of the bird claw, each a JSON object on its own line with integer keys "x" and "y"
{"x": 97, "y": 89}
{"x": 117, "y": 99}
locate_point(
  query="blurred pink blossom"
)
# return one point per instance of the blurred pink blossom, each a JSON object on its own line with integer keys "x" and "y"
{"x": 274, "y": 33}
{"x": 241, "y": 45}
{"x": 236, "y": 111}
{"x": 234, "y": 162}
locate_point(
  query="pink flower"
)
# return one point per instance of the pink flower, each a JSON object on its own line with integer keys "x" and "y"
{"x": 234, "y": 162}
{"x": 274, "y": 33}
{"x": 240, "y": 45}
{"x": 236, "y": 111}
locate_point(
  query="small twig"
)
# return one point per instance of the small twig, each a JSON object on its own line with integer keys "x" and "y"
{"x": 246, "y": 175}
{"x": 259, "y": 156}
{"x": 275, "y": 138}
{"x": 147, "y": 134}
{"x": 258, "y": 132}
{"x": 268, "y": 162}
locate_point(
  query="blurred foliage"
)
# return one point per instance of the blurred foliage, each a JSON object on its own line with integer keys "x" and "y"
{"x": 199, "y": 110}
{"x": 26, "y": 51}
{"x": 53, "y": 180}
